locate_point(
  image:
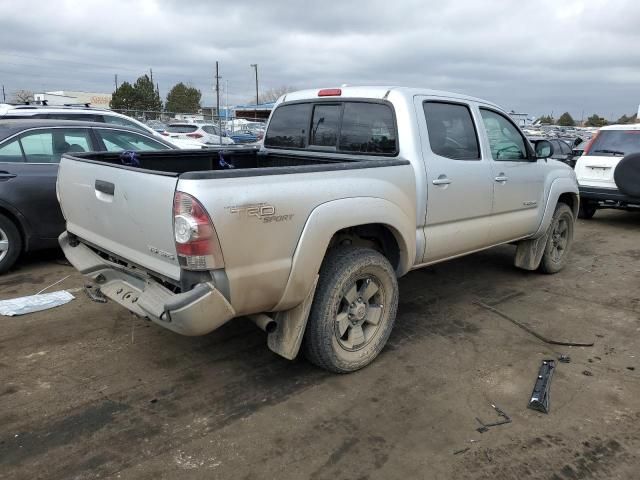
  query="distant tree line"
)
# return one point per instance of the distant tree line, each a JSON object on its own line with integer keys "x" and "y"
{"x": 143, "y": 95}
{"x": 595, "y": 120}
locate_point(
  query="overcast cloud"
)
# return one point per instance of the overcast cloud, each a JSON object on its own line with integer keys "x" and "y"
{"x": 534, "y": 56}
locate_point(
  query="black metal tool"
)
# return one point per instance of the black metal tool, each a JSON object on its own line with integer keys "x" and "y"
{"x": 540, "y": 395}
{"x": 485, "y": 426}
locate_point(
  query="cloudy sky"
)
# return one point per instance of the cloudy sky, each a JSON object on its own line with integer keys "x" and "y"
{"x": 535, "y": 56}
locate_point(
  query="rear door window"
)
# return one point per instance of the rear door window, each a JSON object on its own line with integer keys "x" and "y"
{"x": 325, "y": 124}
{"x": 118, "y": 141}
{"x": 368, "y": 128}
{"x": 289, "y": 126}
{"x": 452, "y": 133}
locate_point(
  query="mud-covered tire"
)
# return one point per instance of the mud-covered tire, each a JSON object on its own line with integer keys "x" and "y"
{"x": 559, "y": 241}
{"x": 346, "y": 331}
{"x": 587, "y": 210}
{"x": 10, "y": 244}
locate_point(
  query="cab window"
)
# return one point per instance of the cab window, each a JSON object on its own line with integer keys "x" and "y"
{"x": 505, "y": 141}
{"x": 47, "y": 146}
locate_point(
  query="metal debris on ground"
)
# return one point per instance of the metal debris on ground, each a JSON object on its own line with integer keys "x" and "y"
{"x": 484, "y": 427}
{"x": 462, "y": 450}
{"x": 540, "y": 395}
{"x": 34, "y": 303}
{"x": 94, "y": 293}
{"x": 564, "y": 358}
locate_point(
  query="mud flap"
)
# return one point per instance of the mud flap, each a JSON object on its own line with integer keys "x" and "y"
{"x": 529, "y": 252}
{"x": 287, "y": 337}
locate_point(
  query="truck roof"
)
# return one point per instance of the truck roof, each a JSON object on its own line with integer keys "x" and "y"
{"x": 378, "y": 92}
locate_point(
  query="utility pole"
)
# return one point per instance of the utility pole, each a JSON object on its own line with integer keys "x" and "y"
{"x": 218, "y": 104}
{"x": 4, "y": 97}
{"x": 116, "y": 80}
{"x": 255, "y": 110}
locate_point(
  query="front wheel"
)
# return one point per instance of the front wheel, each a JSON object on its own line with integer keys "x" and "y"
{"x": 10, "y": 244}
{"x": 559, "y": 240}
{"x": 353, "y": 310}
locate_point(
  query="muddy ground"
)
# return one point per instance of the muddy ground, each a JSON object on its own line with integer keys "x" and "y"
{"x": 87, "y": 391}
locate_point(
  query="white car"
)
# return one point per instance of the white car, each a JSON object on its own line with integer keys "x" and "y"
{"x": 88, "y": 114}
{"x": 205, "y": 133}
{"x": 606, "y": 171}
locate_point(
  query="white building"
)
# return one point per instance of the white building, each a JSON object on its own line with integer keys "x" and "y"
{"x": 64, "y": 97}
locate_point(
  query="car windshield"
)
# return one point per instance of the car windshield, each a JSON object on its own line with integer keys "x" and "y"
{"x": 615, "y": 143}
{"x": 180, "y": 128}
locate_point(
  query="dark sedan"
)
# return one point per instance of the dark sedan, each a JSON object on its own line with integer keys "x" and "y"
{"x": 30, "y": 150}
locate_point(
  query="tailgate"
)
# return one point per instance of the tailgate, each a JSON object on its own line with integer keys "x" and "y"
{"x": 126, "y": 212}
{"x": 597, "y": 171}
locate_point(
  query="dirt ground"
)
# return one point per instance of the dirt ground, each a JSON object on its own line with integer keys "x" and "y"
{"x": 88, "y": 391}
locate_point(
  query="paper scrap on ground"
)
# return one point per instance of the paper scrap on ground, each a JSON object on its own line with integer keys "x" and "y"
{"x": 34, "y": 303}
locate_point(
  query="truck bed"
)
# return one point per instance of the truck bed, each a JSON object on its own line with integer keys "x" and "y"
{"x": 232, "y": 162}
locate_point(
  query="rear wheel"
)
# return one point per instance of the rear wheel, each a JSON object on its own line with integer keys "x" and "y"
{"x": 353, "y": 310}
{"x": 559, "y": 240}
{"x": 10, "y": 243}
{"x": 587, "y": 210}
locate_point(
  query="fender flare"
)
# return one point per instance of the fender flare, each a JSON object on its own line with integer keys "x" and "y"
{"x": 558, "y": 187}
{"x": 330, "y": 217}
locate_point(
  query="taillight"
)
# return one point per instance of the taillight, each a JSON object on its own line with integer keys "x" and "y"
{"x": 195, "y": 135}
{"x": 590, "y": 144}
{"x": 196, "y": 239}
{"x": 330, "y": 92}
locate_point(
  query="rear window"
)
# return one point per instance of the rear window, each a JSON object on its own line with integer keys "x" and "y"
{"x": 181, "y": 128}
{"x": 348, "y": 127}
{"x": 289, "y": 126}
{"x": 325, "y": 125}
{"x": 615, "y": 143}
{"x": 368, "y": 128}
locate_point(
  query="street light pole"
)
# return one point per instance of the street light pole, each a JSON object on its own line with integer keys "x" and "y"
{"x": 255, "y": 110}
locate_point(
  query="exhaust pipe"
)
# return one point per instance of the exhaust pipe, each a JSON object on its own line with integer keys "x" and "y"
{"x": 264, "y": 322}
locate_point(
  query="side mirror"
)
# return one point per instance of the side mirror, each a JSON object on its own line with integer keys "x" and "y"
{"x": 544, "y": 149}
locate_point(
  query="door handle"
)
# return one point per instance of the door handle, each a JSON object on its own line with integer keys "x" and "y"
{"x": 7, "y": 175}
{"x": 441, "y": 180}
{"x": 501, "y": 178}
{"x": 107, "y": 188}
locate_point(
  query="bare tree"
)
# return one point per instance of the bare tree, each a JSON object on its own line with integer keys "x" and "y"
{"x": 22, "y": 96}
{"x": 273, "y": 94}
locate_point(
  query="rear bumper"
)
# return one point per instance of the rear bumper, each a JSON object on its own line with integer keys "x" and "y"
{"x": 196, "y": 312}
{"x": 607, "y": 195}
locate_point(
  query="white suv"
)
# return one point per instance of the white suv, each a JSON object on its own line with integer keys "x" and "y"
{"x": 607, "y": 171}
{"x": 87, "y": 114}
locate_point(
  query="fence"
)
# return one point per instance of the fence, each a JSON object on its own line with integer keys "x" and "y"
{"x": 227, "y": 122}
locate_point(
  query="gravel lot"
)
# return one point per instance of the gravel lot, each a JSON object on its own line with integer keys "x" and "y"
{"x": 88, "y": 391}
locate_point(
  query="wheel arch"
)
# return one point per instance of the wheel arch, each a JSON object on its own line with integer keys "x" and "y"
{"x": 361, "y": 219}
{"x": 563, "y": 190}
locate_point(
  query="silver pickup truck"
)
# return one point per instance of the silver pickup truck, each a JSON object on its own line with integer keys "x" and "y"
{"x": 307, "y": 235}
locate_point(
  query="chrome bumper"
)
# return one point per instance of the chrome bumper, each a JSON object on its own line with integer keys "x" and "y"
{"x": 196, "y": 312}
